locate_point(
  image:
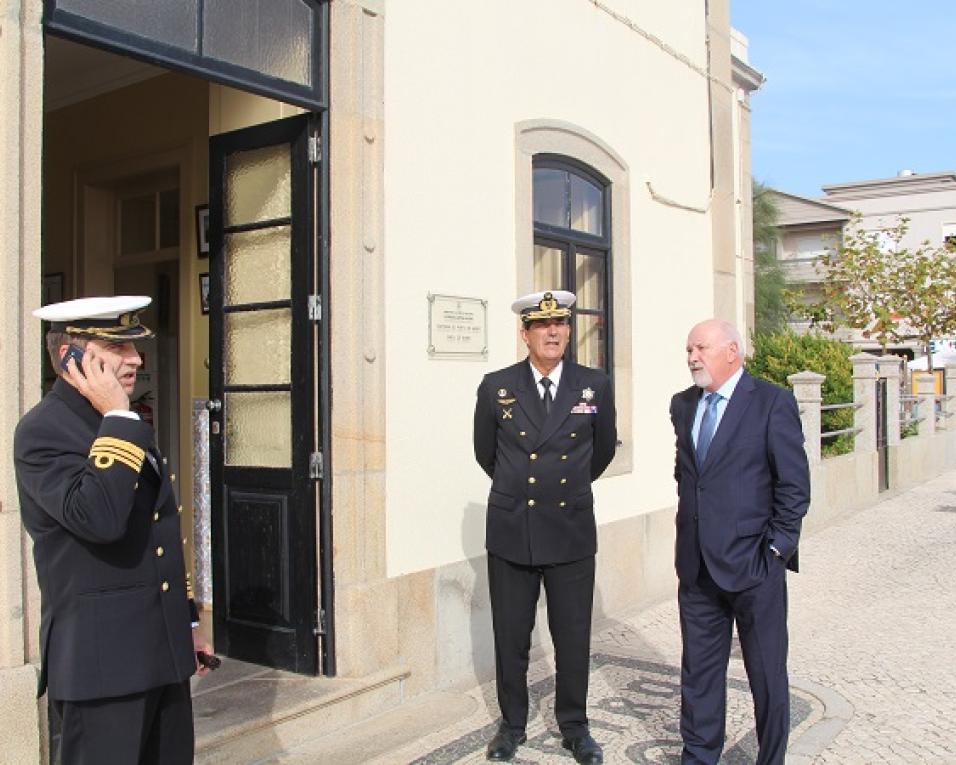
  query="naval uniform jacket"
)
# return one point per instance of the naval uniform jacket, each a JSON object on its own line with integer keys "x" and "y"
{"x": 751, "y": 492}
{"x": 115, "y": 618}
{"x": 540, "y": 507}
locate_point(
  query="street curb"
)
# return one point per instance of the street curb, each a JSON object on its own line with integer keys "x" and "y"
{"x": 837, "y": 712}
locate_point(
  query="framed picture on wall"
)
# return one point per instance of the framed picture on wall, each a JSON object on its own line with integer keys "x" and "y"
{"x": 204, "y": 292}
{"x": 202, "y": 231}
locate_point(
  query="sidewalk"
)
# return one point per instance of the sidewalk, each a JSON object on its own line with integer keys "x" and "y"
{"x": 873, "y": 676}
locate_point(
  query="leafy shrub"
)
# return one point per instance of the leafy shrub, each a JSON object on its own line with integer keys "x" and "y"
{"x": 777, "y": 355}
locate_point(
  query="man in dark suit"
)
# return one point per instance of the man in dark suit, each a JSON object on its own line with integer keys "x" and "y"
{"x": 744, "y": 486}
{"x": 545, "y": 428}
{"x": 116, "y": 643}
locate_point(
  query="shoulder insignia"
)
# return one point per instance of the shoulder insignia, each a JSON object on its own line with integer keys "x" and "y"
{"x": 106, "y": 451}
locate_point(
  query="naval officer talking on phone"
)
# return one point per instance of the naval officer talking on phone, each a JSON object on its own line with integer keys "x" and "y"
{"x": 117, "y": 649}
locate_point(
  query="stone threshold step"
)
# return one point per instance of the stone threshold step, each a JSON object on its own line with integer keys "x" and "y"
{"x": 245, "y": 713}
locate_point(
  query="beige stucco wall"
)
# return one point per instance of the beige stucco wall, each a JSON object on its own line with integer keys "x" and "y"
{"x": 456, "y": 85}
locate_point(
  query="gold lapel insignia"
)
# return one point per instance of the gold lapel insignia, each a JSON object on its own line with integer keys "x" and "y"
{"x": 506, "y": 414}
{"x": 506, "y": 400}
{"x": 587, "y": 394}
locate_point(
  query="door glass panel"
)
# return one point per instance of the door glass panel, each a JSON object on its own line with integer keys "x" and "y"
{"x": 547, "y": 268}
{"x": 587, "y": 206}
{"x": 274, "y": 38}
{"x": 171, "y": 21}
{"x": 589, "y": 281}
{"x": 258, "y": 266}
{"x": 259, "y": 429}
{"x": 257, "y": 347}
{"x": 138, "y": 224}
{"x": 590, "y": 340}
{"x": 551, "y": 196}
{"x": 258, "y": 185}
{"x": 169, "y": 218}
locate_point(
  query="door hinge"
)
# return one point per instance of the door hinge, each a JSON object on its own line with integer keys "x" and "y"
{"x": 315, "y": 150}
{"x": 315, "y": 308}
{"x": 316, "y": 467}
{"x": 319, "y": 625}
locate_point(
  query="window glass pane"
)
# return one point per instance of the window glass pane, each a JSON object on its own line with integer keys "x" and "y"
{"x": 258, "y": 266}
{"x": 589, "y": 281}
{"x": 551, "y": 196}
{"x": 590, "y": 340}
{"x": 259, "y": 429}
{"x": 587, "y": 206}
{"x": 548, "y": 272}
{"x": 257, "y": 348}
{"x": 169, "y": 218}
{"x": 258, "y": 185}
{"x": 138, "y": 224}
{"x": 269, "y": 36}
{"x": 171, "y": 21}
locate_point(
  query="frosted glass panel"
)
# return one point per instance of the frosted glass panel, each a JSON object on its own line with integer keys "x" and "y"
{"x": 257, "y": 347}
{"x": 590, "y": 340}
{"x": 259, "y": 429}
{"x": 551, "y": 196}
{"x": 587, "y": 206}
{"x": 171, "y": 21}
{"x": 258, "y": 266}
{"x": 258, "y": 185}
{"x": 589, "y": 279}
{"x": 270, "y": 36}
{"x": 547, "y": 268}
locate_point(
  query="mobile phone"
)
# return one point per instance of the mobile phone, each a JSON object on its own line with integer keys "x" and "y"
{"x": 75, "y": 353}
{"x": 209, "y": 662}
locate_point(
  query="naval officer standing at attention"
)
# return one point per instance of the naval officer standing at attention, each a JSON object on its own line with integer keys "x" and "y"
{"x": 96, "y": 497}
{"x": 544, "y": 430}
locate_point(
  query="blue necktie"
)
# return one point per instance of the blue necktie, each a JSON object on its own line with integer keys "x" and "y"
{"x": 708, "y": 424}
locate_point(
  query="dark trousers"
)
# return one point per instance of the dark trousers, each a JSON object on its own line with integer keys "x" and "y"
{"x": 707, "y": 616}
{"x": 569, "y": 588}
{"x": 154, "y": 727}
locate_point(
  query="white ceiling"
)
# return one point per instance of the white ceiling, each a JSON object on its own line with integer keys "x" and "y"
{"x": 74, "y": 72}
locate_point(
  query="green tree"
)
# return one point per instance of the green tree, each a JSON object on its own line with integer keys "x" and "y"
{"x": 892, "y": 293}
{"x": 771, "y": 308}
{"x": 777, "y": 355}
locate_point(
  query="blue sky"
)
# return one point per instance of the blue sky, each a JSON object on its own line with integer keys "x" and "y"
{"x": 855, "y": 90}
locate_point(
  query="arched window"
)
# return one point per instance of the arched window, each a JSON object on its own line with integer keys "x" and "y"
{"x": 572, "y": 249}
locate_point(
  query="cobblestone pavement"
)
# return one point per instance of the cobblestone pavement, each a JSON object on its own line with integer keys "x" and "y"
{"x": 873, "y": 677}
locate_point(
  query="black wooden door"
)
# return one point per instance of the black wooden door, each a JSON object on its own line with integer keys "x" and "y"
{"x": 264, "y": 348}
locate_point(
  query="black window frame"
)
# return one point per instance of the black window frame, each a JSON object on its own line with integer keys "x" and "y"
{"x": 569, "y": 241}
{"x": 313, "y": 97}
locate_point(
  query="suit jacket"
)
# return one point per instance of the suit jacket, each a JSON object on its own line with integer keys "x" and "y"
{"x": 540, "y": 507}
{"x": 115, "y": 618}
{"x": 751, "y": 492}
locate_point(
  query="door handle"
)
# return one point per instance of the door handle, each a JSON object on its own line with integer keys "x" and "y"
{"x": 214, "y": 405}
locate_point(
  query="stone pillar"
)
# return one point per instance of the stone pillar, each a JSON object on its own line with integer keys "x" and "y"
{"x": 807, "y": 389}
{"x": 891, "y": 369}
{"x": 21, "y": 132}
{"x": 864, "y": 396}
{"x": 949, "y": 405}
{"x": 926, "y": 392}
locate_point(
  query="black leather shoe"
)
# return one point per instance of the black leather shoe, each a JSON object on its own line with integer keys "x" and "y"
{"x": 503, "y": 746}
{"x": 585, "y": 749}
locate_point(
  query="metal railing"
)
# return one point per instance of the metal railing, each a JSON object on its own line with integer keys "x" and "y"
{"x": 843, "y": 431}
{"x": 910, "y": 417}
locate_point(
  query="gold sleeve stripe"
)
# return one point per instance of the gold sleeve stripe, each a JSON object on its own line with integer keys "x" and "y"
{"x": 107, "y": 451}
{"x": 118, "y": 443}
